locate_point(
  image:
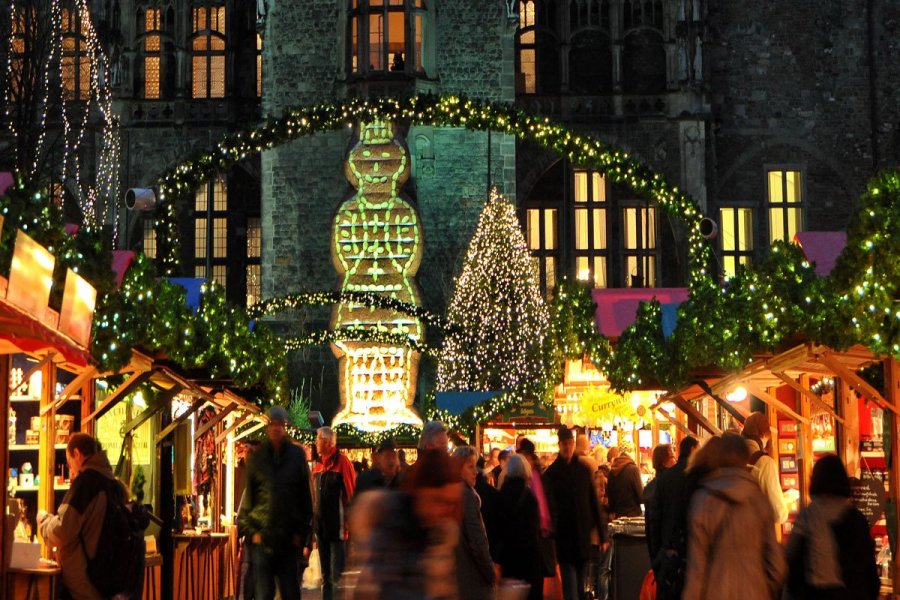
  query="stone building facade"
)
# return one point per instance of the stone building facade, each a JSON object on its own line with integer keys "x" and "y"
{"x": 771, "y": 115}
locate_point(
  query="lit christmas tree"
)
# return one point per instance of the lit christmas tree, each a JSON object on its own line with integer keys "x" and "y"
{"x": 500, "y": 331}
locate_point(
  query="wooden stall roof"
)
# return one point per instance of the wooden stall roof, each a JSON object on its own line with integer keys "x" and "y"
{"x": 786, "y": 368}
{"x": 171, "y": 382}
{"x": 22, "y": 332}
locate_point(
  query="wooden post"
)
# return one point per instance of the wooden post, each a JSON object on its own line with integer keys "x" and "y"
{"x": 5, "y": 441}
{"x": 892, "y": 396}
{"x": 805, "y": 451}
{"x": 772, "y": 415}
{"x": 848, "y": 441}
{"x": 47, "y": 451}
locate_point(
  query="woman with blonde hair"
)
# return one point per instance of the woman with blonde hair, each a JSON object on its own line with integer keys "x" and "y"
{"x": 474, "y": 567}
{"x": 519, "y": 552}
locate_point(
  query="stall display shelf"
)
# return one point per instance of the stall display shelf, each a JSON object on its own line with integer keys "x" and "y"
{"x": 34, "y": 447}
{"x": 61, "y": 487}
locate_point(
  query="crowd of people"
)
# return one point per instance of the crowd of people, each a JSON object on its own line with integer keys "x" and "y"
{"x": 456, "y": 524}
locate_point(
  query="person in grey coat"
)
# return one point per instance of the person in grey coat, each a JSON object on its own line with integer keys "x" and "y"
{"x": 732, "y": 550}
{"x": 474, "y": 568}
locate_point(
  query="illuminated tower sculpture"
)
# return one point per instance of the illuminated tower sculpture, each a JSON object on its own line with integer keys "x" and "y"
{"x": 376, "y": 247}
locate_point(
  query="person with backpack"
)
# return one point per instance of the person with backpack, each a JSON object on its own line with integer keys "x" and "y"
{"x": 757, "y": 434}
{"x": 830, "y": 552}
{"x": 98, "y": 539}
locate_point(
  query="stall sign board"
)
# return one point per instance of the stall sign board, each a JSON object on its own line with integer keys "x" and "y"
{"x": 868, "y": 497}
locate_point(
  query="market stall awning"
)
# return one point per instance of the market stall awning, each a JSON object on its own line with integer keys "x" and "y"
{"x": 822, "y": 248}
{"x": 456, "y": 403}
{"x": 617, "y": 307}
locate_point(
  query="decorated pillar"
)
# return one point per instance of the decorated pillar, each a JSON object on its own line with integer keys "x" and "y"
{"x": 376, "y": 247}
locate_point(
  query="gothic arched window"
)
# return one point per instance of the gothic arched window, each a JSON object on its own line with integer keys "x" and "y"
{"x": 386, "y": 36}
{"x": 208, "y": 52}
{"x": 538, "y": 48}
{"x": 644, "y": 52}
{"x": 590, "y": 50}
{"x": 157, "y": 50}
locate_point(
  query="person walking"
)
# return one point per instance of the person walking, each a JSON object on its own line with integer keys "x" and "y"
{"x": 384, "y": 471}
{"x": 519, "y": 553}
{"x": 75, "y": 531}
{"x": 335, "y": 484}
{"x": 276, "y": 511}
{"x": 434, "y": 437}
{"x": 474, "y": 568}
{"x": 667, "y": 524}
{"x": 576, "y": 512}
{"x": 732, "y": 550}
{"x": 623, "y": 487}
{"x": 488, "y": 495}
{"x": 757, "y": 434}
{"x": 831, "y": 555}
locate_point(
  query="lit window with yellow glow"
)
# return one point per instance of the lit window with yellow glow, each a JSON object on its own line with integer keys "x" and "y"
{"x": 208, "y": 52}
{"x": 640, "y": 245}
{"x": 386, "y": 36}
{"x": 75, "y": 65}
{"x": 23, "y": 23}
{"x": 526, "y": 81}
{"x": 152, "y": 50}
{"x": 590, "y": 227}
{"x": 254, "y": 257}
{"x": 736, "y": 238}
{"x": 259, "y": 65}
{"x": 211, "y": 230}
{"x": 149, "y": 237}
{"x": 541, "y": 231}
{"x": 785, "y": 205}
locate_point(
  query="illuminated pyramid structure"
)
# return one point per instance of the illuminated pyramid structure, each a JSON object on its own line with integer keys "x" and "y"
{"x": 376, "y": 247}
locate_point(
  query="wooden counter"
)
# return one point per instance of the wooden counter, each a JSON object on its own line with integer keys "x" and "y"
{"x": 203, "y": 566}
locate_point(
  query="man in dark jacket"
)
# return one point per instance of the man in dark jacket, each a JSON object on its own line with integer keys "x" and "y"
{"x": 624, "y": 488}
{"x": 384, "y": 471}
{"x": 335, "y": 484}
{"x": 576, "y": 512}
{"x": 277, "y": 510}
{"x": 667, "y": 524}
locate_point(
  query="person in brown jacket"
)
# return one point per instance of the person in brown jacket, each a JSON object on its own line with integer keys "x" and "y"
{"x": 732, "y": 550}
{"x": 80, "y": 516}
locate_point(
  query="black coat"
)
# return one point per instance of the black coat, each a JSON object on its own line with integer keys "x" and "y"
{"x": 624, "y": 488}
{"x": 518, "y": 551}
{"x": 667, "y": 511}
{"x": 489, "y": 499}
{"x": 575, "y": 508}
{"x": 278, "y": 497}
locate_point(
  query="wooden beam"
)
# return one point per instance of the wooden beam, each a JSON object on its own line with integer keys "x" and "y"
{"x": 120, "y": 393}
{"x": 180, "y": 419}
{"x": 70, "y": 389}
{"x": 805, "y": 450}
{"x": 892, "y": 391}
{"x": 804, "y": 392}
{"x": 214, "y": 420}
{"x": 250, "y": 430}
{"x": 162, "y": 402}
{"x": 848, "y": 440}
{"x": 693, "y": 412}
{"x": 856, "y": 382}
{"x": 678, "y": 424}
{"x": 234, "y": 425}
{"x": 774, "y": 402}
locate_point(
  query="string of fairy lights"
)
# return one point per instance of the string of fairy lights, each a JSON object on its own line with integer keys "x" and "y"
{"x": 582, "y": 150}
{"x": 72, "y": 44}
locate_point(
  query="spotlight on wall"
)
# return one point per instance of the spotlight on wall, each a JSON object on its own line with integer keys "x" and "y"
{"x": 708, "y": 228}
{"x": 140, "y": 199}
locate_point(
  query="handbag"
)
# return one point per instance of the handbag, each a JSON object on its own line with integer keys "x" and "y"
{"x": 648, "y": 587}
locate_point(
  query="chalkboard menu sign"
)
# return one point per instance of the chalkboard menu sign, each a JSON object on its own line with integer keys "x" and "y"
{"x": 868, "y": 497}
